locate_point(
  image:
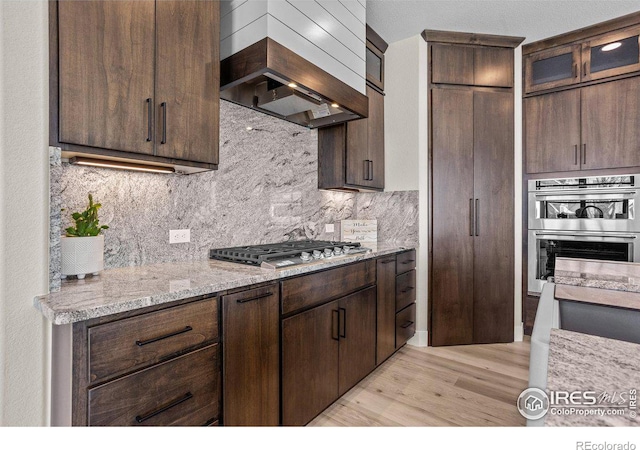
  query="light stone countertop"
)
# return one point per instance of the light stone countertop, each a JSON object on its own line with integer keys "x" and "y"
{"x": 129, "y": 288}
{"x": 615, "y": 275}
{"x": 582, "y": 362}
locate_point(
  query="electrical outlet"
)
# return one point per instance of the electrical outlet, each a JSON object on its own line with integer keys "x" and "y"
{"x": 329, "y": 228}
{"x": 179, "y": 236}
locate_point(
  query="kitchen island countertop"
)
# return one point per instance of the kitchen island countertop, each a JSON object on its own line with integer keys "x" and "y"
{"x": 129, "y": 288}
{"x": 582, "y": 362}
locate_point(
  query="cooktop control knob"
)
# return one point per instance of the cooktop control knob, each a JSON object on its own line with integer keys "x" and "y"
{"x": 328, "y": 253}
{"x": 305, "y": 256}
{"x": 317, "y": 254}
{"x": 337, "y": 251}
{"x": 346, "y": 249}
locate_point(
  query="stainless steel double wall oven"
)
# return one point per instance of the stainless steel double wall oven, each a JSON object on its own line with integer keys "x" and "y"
{"x": 590, "y": 217}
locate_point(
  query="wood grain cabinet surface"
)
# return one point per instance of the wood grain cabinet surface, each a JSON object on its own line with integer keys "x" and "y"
{"x": 182, "y": 391}
{"x": 251, "y": 357}
{"x": 386, "y": 309}
{"x": 325, "y": 352}
{"x": 592, "y": 127}
{"x": 471, "y": 65}
{"x": 137, "y": 78}
{"x": 155, "y": 367}
{"x": 471, "y": 273}
{"x": 130, "y": 344}
{"x": 351, "y": 155}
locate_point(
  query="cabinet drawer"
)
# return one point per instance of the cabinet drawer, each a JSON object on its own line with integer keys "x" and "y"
{"x": 406, "y": 261}
{"x": 314, "y": 289}
{"x": 405, "y": 289}
{"x": 405, "y": 325}
{"x": 125, "y": 345}
{"x": 183, "y": 391}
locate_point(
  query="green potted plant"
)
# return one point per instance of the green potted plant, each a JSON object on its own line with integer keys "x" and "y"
{"x": 83, "y": 245}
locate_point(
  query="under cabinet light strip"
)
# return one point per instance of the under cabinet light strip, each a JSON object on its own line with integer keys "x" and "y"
{"x": 119, "y": 165}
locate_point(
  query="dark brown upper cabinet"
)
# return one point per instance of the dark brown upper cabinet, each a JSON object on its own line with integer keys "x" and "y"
{"x": 472, "y": 66}
{"x": 611, "y": 55}
{"x": 137, "y": 80}
{"x": 594, "y": 127}
{"x": 552, "y": 68}
{"x": 552, "y": 132}
{"x": 376, "y": 46}
{"x": 351, "y": 155}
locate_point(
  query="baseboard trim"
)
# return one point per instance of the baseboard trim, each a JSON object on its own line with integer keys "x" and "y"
{"x": 420, "y": 339}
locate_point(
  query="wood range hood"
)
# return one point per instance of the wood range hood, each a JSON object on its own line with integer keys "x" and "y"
{"x": 270, "y": 78}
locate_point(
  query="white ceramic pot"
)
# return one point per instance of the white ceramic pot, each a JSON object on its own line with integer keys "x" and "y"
{"x": 82, "y": 255}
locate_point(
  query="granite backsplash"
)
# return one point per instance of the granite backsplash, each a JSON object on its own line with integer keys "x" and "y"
{"x": 265, "y": 190}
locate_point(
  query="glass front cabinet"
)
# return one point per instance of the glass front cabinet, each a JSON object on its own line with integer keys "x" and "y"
{"x": 611, "y": 55}
{"x": 552, "y": 68}
{"x": 604, "y": 56}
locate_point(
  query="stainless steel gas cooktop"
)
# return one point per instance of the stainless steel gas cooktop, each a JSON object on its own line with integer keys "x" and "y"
{"x": 286, "y": 254}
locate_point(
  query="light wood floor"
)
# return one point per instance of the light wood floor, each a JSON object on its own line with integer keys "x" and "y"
{"x": 471, "y": 385}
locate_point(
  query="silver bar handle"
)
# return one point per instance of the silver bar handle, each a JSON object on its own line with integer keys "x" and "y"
{"x": 582, "y": 192}
{"x": 561, "y": 234}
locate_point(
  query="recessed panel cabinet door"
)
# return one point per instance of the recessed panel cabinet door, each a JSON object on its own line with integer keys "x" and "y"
{"x": 611, "y": 124}
{"x": 452, "y": 263}
{"x": 493, "y": 249}
{"x": 106, "y": 63}
{"x": 188, "y": 80}
{"x": 552, "y": 132}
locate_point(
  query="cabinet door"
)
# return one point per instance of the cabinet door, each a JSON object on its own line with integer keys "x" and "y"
{"x": 106, "y": 78}
{"x": 386, "y": 311}
{"x": 375, "y": 66}
{"x": 357, "y": 154}
{"x": 452, "y": 64}
{"x": 309, "y": 363}
{"x": 552, "y": 68}
{"x": 188, "y": 80}
{"x": 492, "y": 248}
{"x": 357, "y": 329}
{"x": 251, "y": 357}
{"x": 452, "y": 213}
{"x": 610, "y": 124}
{"x": 611, "y": 55}
{"x": 552, "y": 132}
{"x": 375, "y": 124}
{"x": 493, "y": 66}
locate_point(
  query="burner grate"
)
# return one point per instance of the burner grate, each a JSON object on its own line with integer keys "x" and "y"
{"x": 257, "y": 254}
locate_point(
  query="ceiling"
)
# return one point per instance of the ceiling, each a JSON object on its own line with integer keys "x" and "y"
{"x": 395, "y": 20}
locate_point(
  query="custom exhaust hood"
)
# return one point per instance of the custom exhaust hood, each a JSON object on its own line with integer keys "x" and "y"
{"x": 295, "y": 60}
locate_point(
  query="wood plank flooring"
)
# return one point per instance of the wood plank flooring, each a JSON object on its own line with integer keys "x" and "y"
{"x": 470, "y": 385}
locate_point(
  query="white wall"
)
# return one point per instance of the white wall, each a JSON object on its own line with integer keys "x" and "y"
{"x": 406, "y": 156}
{"x": 24, "y": 213}
{"x": 406, "y": 147}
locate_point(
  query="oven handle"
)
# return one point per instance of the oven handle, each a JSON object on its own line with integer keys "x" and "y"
{"x": 560, "y": 235}
{"x": 582, "y": 192}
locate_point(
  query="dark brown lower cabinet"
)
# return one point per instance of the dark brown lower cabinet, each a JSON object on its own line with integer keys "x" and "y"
{"x": 182, "y": 391}
{"x": 472, "y": 233}
{"x": 251, "y": 357}
{"x": 386, "y": 284}
{"x": 325, "y": 352}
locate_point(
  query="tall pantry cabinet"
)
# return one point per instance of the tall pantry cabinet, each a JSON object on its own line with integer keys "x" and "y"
{"x": 472, "y": 193}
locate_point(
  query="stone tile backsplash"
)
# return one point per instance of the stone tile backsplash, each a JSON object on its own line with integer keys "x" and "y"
{"x": 264, "y": 191}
